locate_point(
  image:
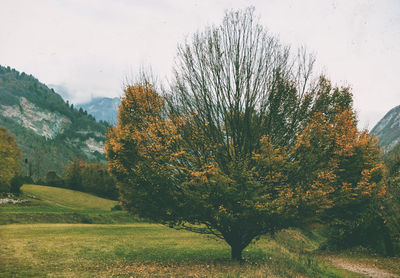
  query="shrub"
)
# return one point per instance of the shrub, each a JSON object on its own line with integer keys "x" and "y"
{"x": 52, "y": 179}
{"x": 17, "y": 181}
{"x": 377, "y": 228}
{"x": 117, "y": 207}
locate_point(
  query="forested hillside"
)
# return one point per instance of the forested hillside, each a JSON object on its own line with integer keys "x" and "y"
{"x": 50, "y": 132}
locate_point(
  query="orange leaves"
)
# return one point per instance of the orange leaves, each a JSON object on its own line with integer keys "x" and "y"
{"x": 336, "y": 136}
{"x": 176, "y": 155}
{"x": 204, "y": 175}
{"x": 319, "y": 193}
{"x": 222, "y": 209}
{"x": 174, "y": 164}
{"x": 340, "y": 163}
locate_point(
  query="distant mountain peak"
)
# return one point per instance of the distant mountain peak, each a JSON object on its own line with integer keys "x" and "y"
{"x": 388, "y": 129}
{"x": 102, "y": 108}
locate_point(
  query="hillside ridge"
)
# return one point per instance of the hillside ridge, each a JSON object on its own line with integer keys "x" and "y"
{"x": 50, "y": 132}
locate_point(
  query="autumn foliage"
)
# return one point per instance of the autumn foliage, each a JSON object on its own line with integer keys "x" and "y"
{"x": 239, "y": 147}
{"x": 330, "y": 169}
{"x": 10, "y": 159}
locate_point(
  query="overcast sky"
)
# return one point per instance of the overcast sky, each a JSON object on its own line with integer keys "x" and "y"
{"x": 89, "y": 47}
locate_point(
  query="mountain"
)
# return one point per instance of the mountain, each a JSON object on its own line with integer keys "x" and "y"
{"x": 61, "y": 90}
{"x": 50, "y": 132}
{"x": 104, "y": 109}
{"x": 388, "y": 129}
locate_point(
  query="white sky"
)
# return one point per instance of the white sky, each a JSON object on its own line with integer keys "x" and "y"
{"x": 90, "y": 46}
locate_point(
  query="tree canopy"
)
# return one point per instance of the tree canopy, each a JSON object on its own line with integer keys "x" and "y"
{"x": 242, "y": 143}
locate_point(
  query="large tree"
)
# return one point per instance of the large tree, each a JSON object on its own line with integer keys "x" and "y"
{"x": 241, "y": 144}
{"x": 10, "y": 159}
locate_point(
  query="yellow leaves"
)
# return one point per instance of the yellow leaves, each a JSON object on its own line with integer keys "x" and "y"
{"x": 382, "y": 191}
{"x": 327, "y": 175}
{"x": 10, "y": 157}
{"x": 318, "y": 194}
{"x": 177, "y": 154}
{"x": 336, "y": 143}
{"x": 221, "y": 209}
{"x": 204, "y": 175}
{"x": 339, "y": 136}
{"x": 365, "y": 187}
{"x": 139, "y": 105}
{"x": 200, "y": 177}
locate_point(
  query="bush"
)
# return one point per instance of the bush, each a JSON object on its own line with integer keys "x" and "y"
{"x": 372, "y": 235}
{"x": 117, "y": 207}
{"x": 52, "y": 179}
{"x": 377, "y": 229}
{"x": 17, "y": 181}
{"x": 4, "y": 187}
{"x": 39, "y": 181}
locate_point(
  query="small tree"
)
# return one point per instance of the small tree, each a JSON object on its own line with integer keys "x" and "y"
{"x": 241, "y": 145}
{"x": 52, "y": 179}
{"x": 10, "y": 159}
{"x": 17, "y": 182}
{"x": 73, "y": 174}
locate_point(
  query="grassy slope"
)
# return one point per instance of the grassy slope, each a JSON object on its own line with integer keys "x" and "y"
{"x": 57, "y": 205}
{"x": 68, "y": 198}
{"x": 148, "y": 250}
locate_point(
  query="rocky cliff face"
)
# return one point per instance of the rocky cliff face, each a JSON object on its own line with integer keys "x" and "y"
{"x": 388, "y": 129}
{"x": 40, "y": 121}
{"x": 50, "y": 124}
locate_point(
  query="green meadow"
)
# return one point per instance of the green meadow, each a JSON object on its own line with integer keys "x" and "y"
{"x": 122, "y": 246}
{"x": 47, "y": 204}
{"x": 145, "y": 250}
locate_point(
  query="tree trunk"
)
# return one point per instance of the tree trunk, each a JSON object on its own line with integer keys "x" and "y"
{"x": 236, "y": 252}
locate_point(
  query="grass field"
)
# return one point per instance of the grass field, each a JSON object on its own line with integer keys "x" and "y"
{"x": 52, "y": 241}
{"x": 46, "y": 204}
{"x": 143, "y": 250}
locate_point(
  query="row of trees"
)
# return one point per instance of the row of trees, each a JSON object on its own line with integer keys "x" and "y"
{"x": 243, "y": 143}
{"x": 87, "y": 177}
{"x": 91, "y": 177}
{"x": 79, "y": 175}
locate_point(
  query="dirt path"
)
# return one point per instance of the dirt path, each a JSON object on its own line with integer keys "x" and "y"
{"x": 368, "y": 271}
